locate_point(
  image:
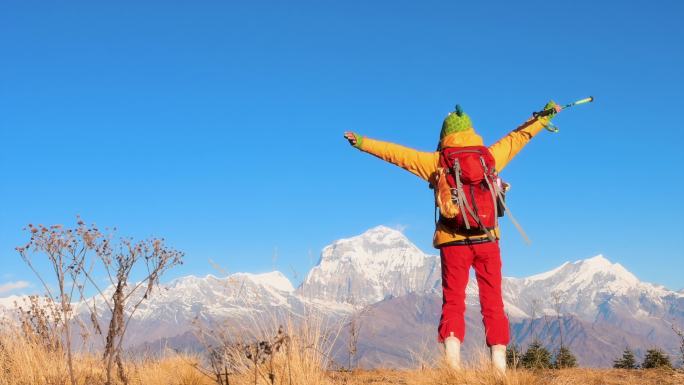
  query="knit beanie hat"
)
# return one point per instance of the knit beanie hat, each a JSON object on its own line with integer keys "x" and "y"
{"x": 456, "y": 121}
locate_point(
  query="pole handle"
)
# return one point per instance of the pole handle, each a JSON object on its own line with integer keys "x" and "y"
{"x": 539, "y": 114}
{"x": 550, "y": 111}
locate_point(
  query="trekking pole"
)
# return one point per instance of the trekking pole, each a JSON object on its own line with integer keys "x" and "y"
{"x": 550, "y": 126}
{"x": 552, "y": 111}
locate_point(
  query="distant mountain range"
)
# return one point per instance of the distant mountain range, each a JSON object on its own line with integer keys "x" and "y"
{"x": 603, "y": 307}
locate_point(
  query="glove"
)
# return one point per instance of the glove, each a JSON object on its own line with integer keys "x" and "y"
{"x": 551, "y": 105}
{"x": 553, "y": 108}
{"x": 354, "y": 139}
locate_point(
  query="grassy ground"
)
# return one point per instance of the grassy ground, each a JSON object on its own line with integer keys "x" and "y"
{"x": 26, "y": 364}
{"x": 27, "y": 361}
{"x": 519, "y": 377}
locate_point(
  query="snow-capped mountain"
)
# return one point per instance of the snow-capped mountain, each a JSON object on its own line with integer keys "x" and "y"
{"x": 584, "y": 288}
{"x": 604, "y": 307}
{"x": 8, "y": 303}
{"x": 175, "y": 306}
{"x": 373, "y": 266}
{"x": 211, "y": 296}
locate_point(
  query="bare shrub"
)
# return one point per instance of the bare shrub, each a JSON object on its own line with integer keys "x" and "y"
{"x": 125, "y": 301}
{"x": 288, "y": 349}
{"x": 354, "y": 325}
{"x": 76, "y": 256}
{"x": 65, "y": 251}
{"x": 680, "y": 333}
{"x": 40, "y": 321}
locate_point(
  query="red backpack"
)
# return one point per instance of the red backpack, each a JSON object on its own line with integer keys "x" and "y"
{"x": 469, "y": 193}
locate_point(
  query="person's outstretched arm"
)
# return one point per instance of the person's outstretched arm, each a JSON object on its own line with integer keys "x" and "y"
{"x": 508, "y": 147}
{"x": 420, "y": 163}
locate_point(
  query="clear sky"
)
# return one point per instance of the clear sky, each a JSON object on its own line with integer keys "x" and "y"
{"x": 218, "y": 124}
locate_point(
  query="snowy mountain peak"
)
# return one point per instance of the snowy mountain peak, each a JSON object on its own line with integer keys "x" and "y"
{"x": 601, "y": 265}
{"x": 588, "y": 272}
{"x": 546, "y": 275}
{"x": 381, "y": 232}
{"x": 597, "y": 261}
{"x": 369, "y": 267}
{"x": 8, "y": 302}
{"x": 583, "y": 286}
{"x": 379, "y": 236}
{"x": 274, "y": 279}
{"x": 378, "y": 248}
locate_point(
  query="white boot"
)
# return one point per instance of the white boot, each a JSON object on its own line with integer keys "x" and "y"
{"x": 452, "y": 346}
{"x": 499, "y": 358}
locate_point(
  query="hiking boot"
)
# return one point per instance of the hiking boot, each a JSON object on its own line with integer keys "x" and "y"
{"x": 452, "y": 347}
{"x": 499, "y": 358}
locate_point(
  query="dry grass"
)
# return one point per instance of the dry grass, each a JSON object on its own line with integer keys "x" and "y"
{"x": 26, "y": 362}
{"x": 483, "y": 376}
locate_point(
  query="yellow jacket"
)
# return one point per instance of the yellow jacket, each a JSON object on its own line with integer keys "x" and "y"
{"x": 424, "y": 164}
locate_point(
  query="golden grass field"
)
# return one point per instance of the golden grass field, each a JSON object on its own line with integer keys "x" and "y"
{"x": 27, "y": 362}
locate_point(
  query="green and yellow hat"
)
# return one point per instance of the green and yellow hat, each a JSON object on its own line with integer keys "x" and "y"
{"x": 456, "y": 121}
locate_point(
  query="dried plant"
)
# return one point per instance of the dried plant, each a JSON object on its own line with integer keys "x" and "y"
{"x": 227, "y": 358}
{"x": 223, "y": 364}
{"x": 125, "y": 300}
{"x": 75, "y": 256}
{"x": 680, "y": 333}
{"x": 268, "y": 348}
{"x": 65, "y": 251}
{"x": 535, "y": 307}
{"x": 262, "y": 352}
{"x": 556, "y": 295}
{"x": 40, "y": 321}
{"x": 354, "y": 327}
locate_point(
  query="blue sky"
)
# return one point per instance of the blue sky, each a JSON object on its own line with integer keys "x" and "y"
{"x": 218, "y": 125}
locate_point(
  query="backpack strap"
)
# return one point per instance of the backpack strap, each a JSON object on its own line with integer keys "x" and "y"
{"x": 496, "y": 190}
{"x": 491, "y": 186}
{"x": 460, "y": 195}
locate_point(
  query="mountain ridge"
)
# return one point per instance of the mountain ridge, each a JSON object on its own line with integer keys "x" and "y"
{"x": 382, "y": 271}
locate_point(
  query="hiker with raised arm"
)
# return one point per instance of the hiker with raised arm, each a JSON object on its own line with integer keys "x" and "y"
{"x": 470, "y": 196}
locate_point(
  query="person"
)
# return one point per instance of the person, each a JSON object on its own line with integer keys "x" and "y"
{"x": 461, "y": 247}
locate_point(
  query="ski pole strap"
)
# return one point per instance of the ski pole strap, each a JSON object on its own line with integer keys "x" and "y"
{"x": 551, "y": 127}
{"x": 515, "y": 222}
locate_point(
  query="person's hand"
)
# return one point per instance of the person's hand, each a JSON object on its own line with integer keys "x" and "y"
{"x": 354, "y": 139}
{"x": 551, "y": 105}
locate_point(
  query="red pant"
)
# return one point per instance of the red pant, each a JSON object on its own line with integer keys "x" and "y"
{"x": 456, "y": 262}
